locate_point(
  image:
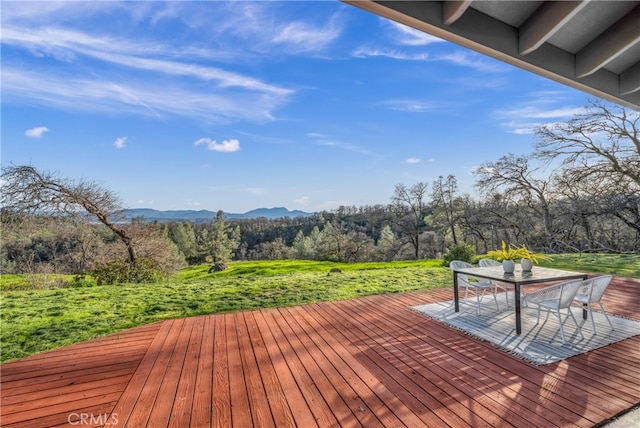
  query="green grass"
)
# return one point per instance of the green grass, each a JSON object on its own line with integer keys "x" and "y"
{"x": 624, "y": 265}
{"x": 39, "y": 319}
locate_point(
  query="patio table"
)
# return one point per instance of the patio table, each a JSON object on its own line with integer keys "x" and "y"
{"x": 518, "y": 279}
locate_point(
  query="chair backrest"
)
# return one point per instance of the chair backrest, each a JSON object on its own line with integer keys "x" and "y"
{"x": 599, "y": 285}
{"x": 568, "y": 292}
{"x": 489, "y": 263}
{"x": 459, "y": 264}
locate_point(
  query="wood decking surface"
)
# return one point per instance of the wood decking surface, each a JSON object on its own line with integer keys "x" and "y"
{"x": 363, "y": 362}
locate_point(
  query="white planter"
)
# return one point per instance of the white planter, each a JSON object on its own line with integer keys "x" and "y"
{"x": 508, "y": 266}
{"x": 527, "y": 265}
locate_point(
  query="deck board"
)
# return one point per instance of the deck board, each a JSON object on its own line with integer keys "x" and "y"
{"x": 362, "y": 362}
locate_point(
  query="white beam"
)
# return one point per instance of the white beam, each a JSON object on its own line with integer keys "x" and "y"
{"x": 605, "y": 48}
{"x": 545, "y": 22}
{"x": 630, "y": 80}
{"x": 454, "y": 9}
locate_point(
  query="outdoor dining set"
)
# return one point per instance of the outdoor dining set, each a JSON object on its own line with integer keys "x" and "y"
{"x": 567, "y": 289}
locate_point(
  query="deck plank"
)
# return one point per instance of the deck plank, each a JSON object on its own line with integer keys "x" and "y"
{"x": 370, "y": 361}
{"x": 203, "y": 386}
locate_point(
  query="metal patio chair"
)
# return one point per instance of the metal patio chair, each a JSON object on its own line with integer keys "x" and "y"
{"x": 472, "y": 284}
{"x": 591, "y": 291}
{"x": 499, "y": 285}
{"x": 554, "y": 298}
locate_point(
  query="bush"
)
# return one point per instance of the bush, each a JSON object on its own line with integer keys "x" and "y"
{"x": 466, "y": 253}
{"x": 81, "y": 281}
{"x": 119, "y": 271}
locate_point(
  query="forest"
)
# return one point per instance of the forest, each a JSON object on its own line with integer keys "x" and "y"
{"x": 579, "y": 191}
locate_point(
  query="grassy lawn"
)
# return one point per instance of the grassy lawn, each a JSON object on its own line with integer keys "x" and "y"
{"x": 36, "y": 320}
{"x": 623, "y": 265}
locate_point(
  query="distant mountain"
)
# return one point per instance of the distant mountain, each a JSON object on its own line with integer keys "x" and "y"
{"x": 200, "y": 216}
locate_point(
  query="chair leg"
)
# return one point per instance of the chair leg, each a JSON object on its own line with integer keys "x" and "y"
{"x": 576, "y": 322}
{"x": 593, "y": 322}
{"x": 495, "y": 299}
{"x": 606, "y": 316}
{"x": 561, "y": 328}
{"x": 478, "y": 301}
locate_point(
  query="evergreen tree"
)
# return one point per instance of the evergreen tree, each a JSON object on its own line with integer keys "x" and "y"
{"x": 185, "y": 238}
{"x": 221, "y": 240}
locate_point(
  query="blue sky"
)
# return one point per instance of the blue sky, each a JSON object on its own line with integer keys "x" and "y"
{"x": 239, "y": 105}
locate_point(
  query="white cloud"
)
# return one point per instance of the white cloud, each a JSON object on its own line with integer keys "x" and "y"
{"x": 410, "y": 106}
{"x": 460, "y": 58}
{"x": 120, "y": 142}
{"x": 143, "y": 76}
{"x": 323, "y": 140}
{"x": 300, "y": 36}
{"x": 270, "y": 27}
{"x": 366, "y": 52}
{"x": 410, "y": 36}
{"x": 413, "y": 160}
{"x": 473, "y": 60}
{"x": 539, "y": 109}
{"x": 227, "y": 146}
{"x": 537, "y": 112}
{"x": 36, "y": 132}
{"x": 151, "y": 96}
{"x": 315, "y": 135}
{"x": 303, "y": 201}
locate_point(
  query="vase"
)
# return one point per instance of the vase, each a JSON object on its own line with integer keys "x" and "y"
{"x": 508, "y": 266}
{"x": 527, "y": 265}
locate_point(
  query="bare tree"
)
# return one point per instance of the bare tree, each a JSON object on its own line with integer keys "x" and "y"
{"x": 602, "y": 141}
{"x": 446, "y": 208}
{"x": 600, "y": 153}
{"x": 28, "y": 190}
{"x": 409, "y": 206}
{"x": 513, "y": 177}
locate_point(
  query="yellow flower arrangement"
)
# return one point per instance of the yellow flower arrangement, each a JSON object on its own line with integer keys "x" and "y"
{"x": 509, "y": 252}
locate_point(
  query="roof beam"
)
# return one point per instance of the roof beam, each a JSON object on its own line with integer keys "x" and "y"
{"x": 453, "y": 10}
{"x": 545, "y": 22}
{"x": 630, "y": 80}
{"x": 481, "y": 33}
{"x": 607, "y": 46}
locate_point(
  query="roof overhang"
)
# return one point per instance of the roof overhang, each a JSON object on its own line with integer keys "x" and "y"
{"x": 593, "y": 46}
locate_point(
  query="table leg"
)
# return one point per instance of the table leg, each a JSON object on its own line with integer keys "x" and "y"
{"x": 456, "y": 297}
{"x": 517, "y": 299}
{"x": 584, "y": 305}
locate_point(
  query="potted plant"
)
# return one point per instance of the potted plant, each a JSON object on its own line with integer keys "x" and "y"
{"x": 528, "y": 258}
{"x": 508, "y": 255}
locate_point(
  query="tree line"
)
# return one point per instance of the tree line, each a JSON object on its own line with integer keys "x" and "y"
{"x": 579, "y": 191}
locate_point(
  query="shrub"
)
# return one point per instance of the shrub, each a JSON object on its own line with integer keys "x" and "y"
{"x": 81, "y": 281}
{"x": 120, "y": 271}
{"x": 218, "y": 267}
{"x": 464, "y": 252}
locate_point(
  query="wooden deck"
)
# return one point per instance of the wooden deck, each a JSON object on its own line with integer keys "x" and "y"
{"x": 364, "y": 362}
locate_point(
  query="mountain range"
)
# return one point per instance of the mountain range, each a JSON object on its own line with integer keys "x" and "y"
{"x": 199, "y": 216}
